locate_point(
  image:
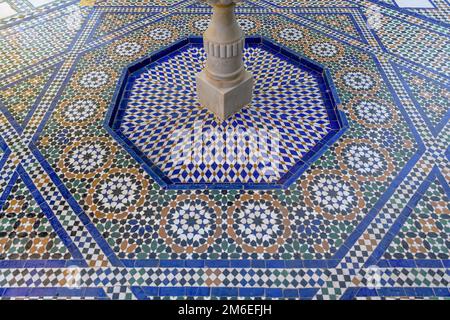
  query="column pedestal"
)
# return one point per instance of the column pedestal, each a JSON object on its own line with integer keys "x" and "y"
{"x": 224, "y": 86}
{"x": 224, "y": 102}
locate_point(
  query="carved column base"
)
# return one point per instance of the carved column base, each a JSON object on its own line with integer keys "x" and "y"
{"x": 224, "y": 102}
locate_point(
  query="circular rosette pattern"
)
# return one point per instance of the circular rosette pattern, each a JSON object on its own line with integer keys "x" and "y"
{"x": 287, "y": 33}
{"x": 364, "y": 159}
{"x": 127, "y": 50}
{"x": 80, "y": 111}
{"x": 323, "y": 50}
{"x": 87, "y": 157}
{"x": 333, "y": 194}
{"x": 117, "y": 193}
{"x": 372, "y": 112}
{"x": 358, "y": 81}
{"x": 159, "y": 118}
{"x": 201, "y": 24}
{"x": 94, "y": 81}
{"x": 160, "y": 34}
{"x": 258, "y": 223}
{"x": 190, "y": 224}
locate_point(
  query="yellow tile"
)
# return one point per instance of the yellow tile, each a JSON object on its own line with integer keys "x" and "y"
{"x": 87, "y": 3}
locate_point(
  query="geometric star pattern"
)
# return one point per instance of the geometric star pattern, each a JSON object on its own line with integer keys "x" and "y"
{"x": 367, "y": 219}
{"x": 290, "y": 115}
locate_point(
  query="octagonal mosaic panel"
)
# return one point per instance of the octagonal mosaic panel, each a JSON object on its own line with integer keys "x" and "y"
{"x": 375, "y": 202}
{"x": 292, "y": 119}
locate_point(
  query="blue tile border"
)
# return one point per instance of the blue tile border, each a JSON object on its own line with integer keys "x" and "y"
{"x": 435, "y": 129}
{"x": 96, "y": 235}
{"x": 383, "y": 4}
{"x": 397, "y": 292}
{"x": 17, "y": 264}
{"x": 374, "y": 259}
{"x": 4, "y": 157}
{"x": 408, "y": 12}
{"x": 348, "y": 14}
{"x": 38, "y": 100}
{"x": 97, "y": 293}
{"x": 56, "y": 225}
{"x": 143, "y": 293}
{"x": 245, "y": 263}
{"x": 7, "y": 190}
{"x": 36, "y": 14}
{"x": 10, "y": 119}
{"x": 412, "y": 62}
{"x": 413, "y": 263}
{"x": 421, "y": 8}
{"x": 339, "y": 122}
{"x": 224, "y": 263}
{"x": 358, "y": 231}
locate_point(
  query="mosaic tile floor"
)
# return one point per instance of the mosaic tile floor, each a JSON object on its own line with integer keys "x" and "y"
{"x": 83, "y": 217}
{"x": 293, "y": 117}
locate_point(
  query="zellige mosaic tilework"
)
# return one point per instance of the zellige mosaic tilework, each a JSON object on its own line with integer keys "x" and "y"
{"x": 81, "y": 217}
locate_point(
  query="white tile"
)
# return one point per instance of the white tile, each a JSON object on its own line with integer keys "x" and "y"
{"x": 6, "y": 10}
{"x": 424, "y": 4}
{"x": 38, "y": 3}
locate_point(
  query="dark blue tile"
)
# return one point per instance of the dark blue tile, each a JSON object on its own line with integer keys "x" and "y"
{"x": 83, "y": 217}
{"x": 56, "y": 263}
{"x": 402, "y": 263}
{"x": 291, "y": 55}
{"x": 253, "y": 40}
{"x": 332, "y": 263}
{"x": 290, "y": 293}
{"x": 139, "y": 293}
{"x": 429, "y": 263}
{"x": 251, "y": 292}
{"x": 35, "y": 264}
{"x": 172, "y": 291}
{"x": 442, "y": 292}
{"x": 240, "y": 263}
{"x": 270, "y": 46}
{"x": 275, "y": 264}
{"x": 13, "y": 264}
{"x": 16, "y": 292}
{"x": 195, "y": 263}
{"x": 217, "y": 263}
{"x": 151, "y": 291}
{"x": 196, "y": 40}
{"x": 258, "y": 264}
{"x": 308, "y": 293}
{"x": 274, "y": 293}
{"x": 171, "y": 263}
{"x": 409, "y": 292}
{"x": 446, "y": 263}
{"x": 294, "y": 263}
{"x": 69, "y": 263}
{"x": 148, "y": 263}
{"x": 424, "y": 292}
{"x": 315, "y": 263}
{"x": 391, "y": 292}
{"x": 366, "y": 292}
{"x": 198, "y": 292}
{"x": 224, "y": 292}
{"x": 381, "y": 264}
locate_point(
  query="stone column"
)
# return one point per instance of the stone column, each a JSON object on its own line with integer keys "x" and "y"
{"x": 224, "y": 86}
